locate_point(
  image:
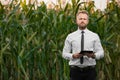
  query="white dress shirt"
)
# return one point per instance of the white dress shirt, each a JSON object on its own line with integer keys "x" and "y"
{"x": 73, "y": 45}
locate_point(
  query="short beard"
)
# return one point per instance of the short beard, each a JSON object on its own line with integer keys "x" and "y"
{"x": 82, "y": 27}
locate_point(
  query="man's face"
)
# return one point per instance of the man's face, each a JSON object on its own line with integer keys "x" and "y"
{"x": 82, "y": 20}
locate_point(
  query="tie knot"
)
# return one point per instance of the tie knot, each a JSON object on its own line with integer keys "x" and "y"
{"x": 82, "y": 32}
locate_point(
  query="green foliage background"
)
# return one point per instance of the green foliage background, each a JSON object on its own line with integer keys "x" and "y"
{"x": 32, "y": 39}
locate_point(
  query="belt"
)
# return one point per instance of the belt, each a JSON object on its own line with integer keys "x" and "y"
{"x": 83, "y": 68}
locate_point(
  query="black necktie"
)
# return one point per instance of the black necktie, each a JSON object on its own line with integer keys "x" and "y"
{"x": 82, "y": 46}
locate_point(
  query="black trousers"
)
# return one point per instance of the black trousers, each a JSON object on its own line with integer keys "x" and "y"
{"x": 77, "y": 73}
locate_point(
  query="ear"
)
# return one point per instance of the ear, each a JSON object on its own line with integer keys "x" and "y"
{"x": 88, "y": 20}
{"x": 75, "y": 20}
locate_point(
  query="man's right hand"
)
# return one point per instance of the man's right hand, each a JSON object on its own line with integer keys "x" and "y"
{"x": 77, "y": 55}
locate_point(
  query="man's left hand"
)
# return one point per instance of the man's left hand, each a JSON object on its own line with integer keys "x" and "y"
{"x": 90, "y": 55}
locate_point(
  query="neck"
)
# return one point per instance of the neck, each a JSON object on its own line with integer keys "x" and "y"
{"x": 82, "y": 28}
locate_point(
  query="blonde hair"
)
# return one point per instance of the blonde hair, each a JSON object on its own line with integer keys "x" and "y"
{"x": 82, "y": 11}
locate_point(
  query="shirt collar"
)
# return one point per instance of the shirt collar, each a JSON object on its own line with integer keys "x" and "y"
{"x": 85, "y": 30}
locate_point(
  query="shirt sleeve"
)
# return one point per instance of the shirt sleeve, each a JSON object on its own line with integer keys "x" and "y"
{"x": 99, "y": 52}
{"x": 67, "y": 54}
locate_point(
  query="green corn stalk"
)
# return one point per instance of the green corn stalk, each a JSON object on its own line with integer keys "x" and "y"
{"x": 32, "y": 40}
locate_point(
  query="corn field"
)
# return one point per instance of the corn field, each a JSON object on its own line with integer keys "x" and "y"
{"x": 32, "y": 39}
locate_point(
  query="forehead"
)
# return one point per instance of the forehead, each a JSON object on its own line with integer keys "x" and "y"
{"x": 82, "y": 15}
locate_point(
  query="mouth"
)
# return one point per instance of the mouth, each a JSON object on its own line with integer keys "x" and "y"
{"x": 82, "y": 23}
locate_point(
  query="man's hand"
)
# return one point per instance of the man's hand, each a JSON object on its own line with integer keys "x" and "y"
{"x": 77, "y": 55}
{"x": 90, "y": 55}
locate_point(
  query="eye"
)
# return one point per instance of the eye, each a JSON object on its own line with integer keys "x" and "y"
{"x": 80, "y": 18}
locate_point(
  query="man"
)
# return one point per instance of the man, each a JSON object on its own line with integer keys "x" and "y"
{"x": 82, "y": 48}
